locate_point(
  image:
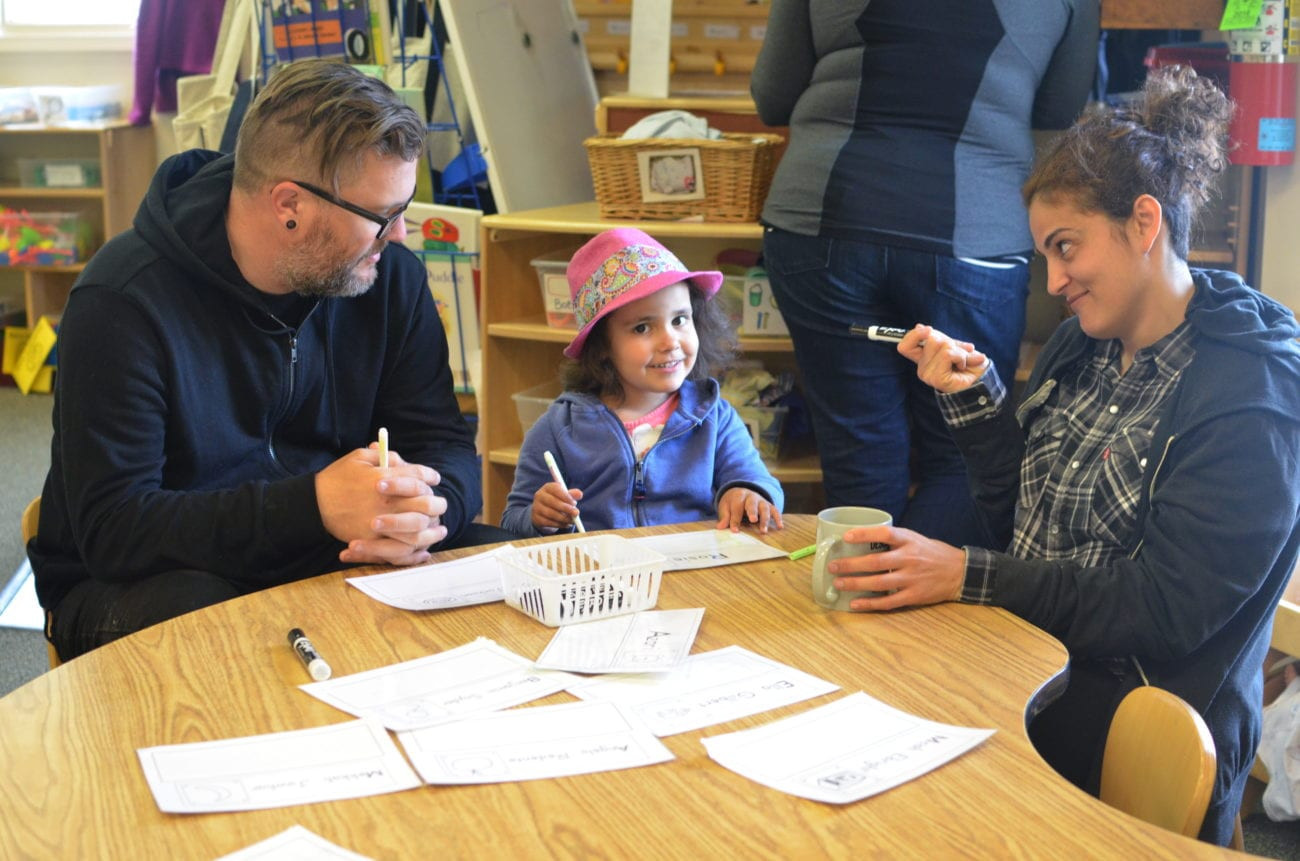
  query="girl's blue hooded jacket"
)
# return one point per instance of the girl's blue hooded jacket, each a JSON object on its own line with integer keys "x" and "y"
{"x": 705, "y": 449}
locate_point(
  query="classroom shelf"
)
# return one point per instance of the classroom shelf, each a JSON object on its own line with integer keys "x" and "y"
{"x": 126, "y": 158}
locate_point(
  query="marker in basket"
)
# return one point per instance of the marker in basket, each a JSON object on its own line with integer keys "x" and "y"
{"x": 383, "y": 448}
{"x": 306, "y": 652}
{"x": 559, "y": 479}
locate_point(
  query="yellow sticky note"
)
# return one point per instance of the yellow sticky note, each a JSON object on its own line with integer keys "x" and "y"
{"x": 32, "y": 358}
{"x": 1241, "y": 14}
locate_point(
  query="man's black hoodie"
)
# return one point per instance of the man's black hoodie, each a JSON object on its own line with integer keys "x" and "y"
{"x": 189, "y": 420}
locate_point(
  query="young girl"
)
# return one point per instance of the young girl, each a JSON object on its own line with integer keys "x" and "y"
{"x": 641, "y": 435}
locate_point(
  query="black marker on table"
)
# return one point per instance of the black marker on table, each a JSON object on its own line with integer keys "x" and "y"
{"x": 315, "y": 664}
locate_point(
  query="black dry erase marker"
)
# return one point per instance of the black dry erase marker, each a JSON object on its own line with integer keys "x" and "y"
{"x": 893, "y": 334}
{"x": 316, "y": 666}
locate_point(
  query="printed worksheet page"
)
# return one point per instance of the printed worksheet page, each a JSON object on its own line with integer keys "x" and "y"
{"x": 708, "y": 548}
{"x": 328, "y": 763}
{"x": 478, "y": 676}
{"x": 533, "y": 743}
{"x": 705, "y": 689}
{"x": 646, "y": 642}
{"x": 294, "y": 844}
{"x": 458, "y": 583}
{"x": 845, "y": 751}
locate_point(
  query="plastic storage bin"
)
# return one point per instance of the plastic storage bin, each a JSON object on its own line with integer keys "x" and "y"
{"x": 42, "y": 238}
{"x": 532, "y": 403}
{"x": 556, "y": 298}
{"x": 59, "y": 173}
{"x": 582, "y": 579}
{"x": 79, "y": 104}
{"x": 766, "y": 427}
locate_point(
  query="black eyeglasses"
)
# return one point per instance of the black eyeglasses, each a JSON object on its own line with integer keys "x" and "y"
{"x": 385, "y": 222}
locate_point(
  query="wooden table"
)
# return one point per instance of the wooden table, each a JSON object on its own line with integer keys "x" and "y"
{"x": 71, "y": 785}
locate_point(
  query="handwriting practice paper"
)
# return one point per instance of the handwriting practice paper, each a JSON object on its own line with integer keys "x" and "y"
{"x": 845, "y": 751}
{"x": 533, "y": 743}
{"x": 294, "y": 844}
{"x": 646, "y": 642}
{"x": 705, "y": 689}
{"x": 475, "y": 677}
{"x": 472, "y": 580}
{"x": 346, "y": 760}
{"x": 708, "y": 548}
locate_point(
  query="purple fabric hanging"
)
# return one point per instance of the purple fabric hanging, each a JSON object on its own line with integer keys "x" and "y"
{"x": 173, "y": 38}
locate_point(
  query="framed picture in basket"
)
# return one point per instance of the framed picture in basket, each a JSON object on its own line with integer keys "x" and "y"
{"x": 671, "y": 174}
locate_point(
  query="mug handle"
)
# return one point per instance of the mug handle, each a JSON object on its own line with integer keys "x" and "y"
{"x": 823, "y": 583}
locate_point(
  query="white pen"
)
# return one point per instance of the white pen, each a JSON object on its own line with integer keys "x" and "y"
{"x": 383, "y": 448}
{"x": 559, "y": 479}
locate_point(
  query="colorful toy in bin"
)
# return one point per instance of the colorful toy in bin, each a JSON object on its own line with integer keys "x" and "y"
{"x": 42, "y": 238}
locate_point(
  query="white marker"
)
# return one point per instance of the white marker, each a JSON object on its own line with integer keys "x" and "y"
{"x": 892, "y": 334}
{"x": 315, "y": 664}
{"x": 383, "y": 448}
{"x": 559, "y": 479}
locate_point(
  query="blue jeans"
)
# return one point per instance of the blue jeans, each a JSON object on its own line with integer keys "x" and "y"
{"x": 878, "y": 427}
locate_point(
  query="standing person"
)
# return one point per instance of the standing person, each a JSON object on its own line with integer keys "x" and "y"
{"x": 1149, "y": 483}
{"x": 225, "y": 363}
{"x": 896, "y": 202}
{"x": 641, "y": 436}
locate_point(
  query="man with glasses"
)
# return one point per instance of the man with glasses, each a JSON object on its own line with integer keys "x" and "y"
{"x": 225, "y": 365}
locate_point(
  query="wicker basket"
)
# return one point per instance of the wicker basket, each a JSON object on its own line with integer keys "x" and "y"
{"x": 736, "y": 172}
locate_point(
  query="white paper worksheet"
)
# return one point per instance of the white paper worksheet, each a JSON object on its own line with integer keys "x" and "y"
{"x": 708, "y": 548}
{"x": 346, "y": 760}
{"x": 646, "y": 642}
{"x": 533, "y": 743}
{"x": 845, "y": 751}
{"x": 295, "y": 843}
{"x": 472, "y": 580}
{"x": 705, "y": 689}
{"x": 478, "y": 676}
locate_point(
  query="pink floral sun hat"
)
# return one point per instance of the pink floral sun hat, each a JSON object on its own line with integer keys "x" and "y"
{"x": 618, "y": 267}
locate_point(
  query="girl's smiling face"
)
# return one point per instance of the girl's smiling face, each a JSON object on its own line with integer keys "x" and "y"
{"x": 652, "y": 344}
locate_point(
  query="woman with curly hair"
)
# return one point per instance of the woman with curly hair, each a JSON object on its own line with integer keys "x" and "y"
{"x": 1148, "y": 486}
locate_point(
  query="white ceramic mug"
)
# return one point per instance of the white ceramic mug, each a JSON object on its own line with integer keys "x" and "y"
{"x": 832, "y": 523}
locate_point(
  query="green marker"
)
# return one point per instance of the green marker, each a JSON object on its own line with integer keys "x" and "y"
{"x": 802, "y": 552}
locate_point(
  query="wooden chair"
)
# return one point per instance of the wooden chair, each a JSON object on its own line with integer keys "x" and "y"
{"x": 31, "y": 517}
{"x": 1159, "y": 761}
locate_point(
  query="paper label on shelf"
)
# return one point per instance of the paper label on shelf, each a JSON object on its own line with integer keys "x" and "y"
{"x": 65, "y": 176}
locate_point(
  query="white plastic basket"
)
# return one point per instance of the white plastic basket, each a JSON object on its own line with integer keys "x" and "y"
{"x": 582, "y": 579}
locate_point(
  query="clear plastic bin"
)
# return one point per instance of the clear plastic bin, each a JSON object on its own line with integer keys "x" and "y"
{"x": 531, "y": 403}
{"x": 766, "y": 427}
{"x": 59, "y": 173}
{"x": 582, "y": 579}
{"x": 556, "y": 298}
{"x": 42, "y": 238}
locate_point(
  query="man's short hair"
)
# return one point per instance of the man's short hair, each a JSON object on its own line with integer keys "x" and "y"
{"x": 316, "y": 120}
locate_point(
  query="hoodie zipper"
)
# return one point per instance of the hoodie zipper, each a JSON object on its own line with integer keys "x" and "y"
{"x": 293, "y": 379}
{"x": 1151, "y": 489}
